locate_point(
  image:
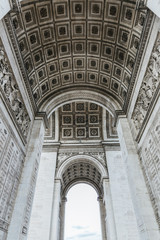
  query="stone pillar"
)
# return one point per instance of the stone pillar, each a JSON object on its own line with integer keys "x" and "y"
{"x": 42, "y": 204}
{"x": 62, "y": 217}
{"x": 147, "y": 225}
{"x": 102, "y": 216}
{"x": 110, "y": 221}
{"x": 124, "y": 215}
{"x": 54, "y": 227}
{"x": 18, "y": 228}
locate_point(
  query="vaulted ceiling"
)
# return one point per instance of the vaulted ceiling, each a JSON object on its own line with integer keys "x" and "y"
{"x": 81, "y": 171}
{"x": 83, "y": 44}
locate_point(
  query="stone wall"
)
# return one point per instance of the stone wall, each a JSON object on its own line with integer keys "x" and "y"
{"x": 150, "y": 160}
{"x": 11, "y": 164}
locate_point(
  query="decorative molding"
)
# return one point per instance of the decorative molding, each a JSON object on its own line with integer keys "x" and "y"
{"x": 11, "y": 92}
{"x": 119, "y": 113}
{"x": 143, "y": 38}
{"x": 3, "y": 225}
{"x": 50, "y": 131}
{"x": 99, "y": 155}
{"x": 44, "y": 116}
{"x": 141, "y": 4}
{"x": 149, "y": 87}
{"x": 13, "y": 39}
{"x": 16, "y": 7}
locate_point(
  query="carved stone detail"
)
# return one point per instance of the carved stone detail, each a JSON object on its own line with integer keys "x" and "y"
{"x": 11, "y": 164}
{"x": 150, "y": 161}
{"x": 11, "y": 91}
{"x": 148, "y": 87}
{"x": 100, "y": 156}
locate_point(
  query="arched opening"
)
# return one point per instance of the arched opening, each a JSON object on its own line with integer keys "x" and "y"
{"x": 82, "y": 215}
{"x": 77, "y": 170}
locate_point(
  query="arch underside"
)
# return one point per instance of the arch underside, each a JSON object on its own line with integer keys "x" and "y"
{"x": 81, "y": 169}
{"x": 78, "y": 45}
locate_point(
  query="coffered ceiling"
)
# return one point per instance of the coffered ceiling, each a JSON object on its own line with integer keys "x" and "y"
{"x": 83, "y": 172}
{"x": 80, "y": 121}
{"x": 83, "y": 44}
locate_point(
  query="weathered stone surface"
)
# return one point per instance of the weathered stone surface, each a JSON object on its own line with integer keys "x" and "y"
{"x": 11, "y": 164}
{"x": 149, "y": 86}
{"x": 150, "y": 160}
{"x": 12, "y": 93}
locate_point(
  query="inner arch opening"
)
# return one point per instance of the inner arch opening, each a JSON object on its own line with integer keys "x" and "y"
{"x": 82, "y": 215}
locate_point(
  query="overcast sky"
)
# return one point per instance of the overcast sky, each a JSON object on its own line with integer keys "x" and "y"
{"x": 82, "y": 221}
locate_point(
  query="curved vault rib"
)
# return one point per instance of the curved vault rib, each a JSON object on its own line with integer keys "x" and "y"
{"x": 107, "y": 102}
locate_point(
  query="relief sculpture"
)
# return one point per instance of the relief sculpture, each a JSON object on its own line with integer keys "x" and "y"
{"x": 10, "y": 88}
{"x": 148, "y": 87}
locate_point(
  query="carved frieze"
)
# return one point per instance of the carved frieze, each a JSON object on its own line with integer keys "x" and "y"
{"x": 99, "y": 155}
{"x": 11, "y": 164}
{"x": 150, "y": 161}
{"x": 149, "y": 86}
{"x": 10, "y": 89}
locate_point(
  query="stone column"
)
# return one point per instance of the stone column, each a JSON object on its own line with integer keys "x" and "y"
{"x": 102, "y": 216}
{"x": 42, "y": 205}
{"x": 54, "y": 227}
{"x": 62, "y": 218}
{"x": 124, "y": 215}
{"x": 18, "y": 228}
{"x": 110, "y": 221}
{"x": 147, "y": 225}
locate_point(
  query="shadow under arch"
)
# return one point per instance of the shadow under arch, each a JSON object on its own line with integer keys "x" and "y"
{"x": 84, "y": 160}
{"x": 109, "y": 103}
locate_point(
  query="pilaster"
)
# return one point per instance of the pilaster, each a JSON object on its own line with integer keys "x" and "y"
{"x": 55, "y": 220}
{"x": 18, "y": 228}
{"x": 102, "y": 215}
{"x": 110, "y": 220}
{"x": 124, "y": 215}
{"x": 42, "y": 204}
{"x": 147, "y": 225}
{"x": 62, "y": 217}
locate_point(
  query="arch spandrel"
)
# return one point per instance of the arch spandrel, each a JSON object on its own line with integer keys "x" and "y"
{"x": 78, "y": 45}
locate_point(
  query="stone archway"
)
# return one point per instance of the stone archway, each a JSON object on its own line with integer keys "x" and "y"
{"x": 82, "y": 212}
{"x": 77, "y": 169}
{"x": 108, "y": 103}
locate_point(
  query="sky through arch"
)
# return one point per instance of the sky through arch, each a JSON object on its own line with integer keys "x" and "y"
{"x": 82, "y": 216}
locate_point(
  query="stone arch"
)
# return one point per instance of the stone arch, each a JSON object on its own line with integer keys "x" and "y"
{"x": 88, "y": 161}
{"x": 108, "y": 103}
{"x": 93, "y": 173}
{"x": 84, "y": 158}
